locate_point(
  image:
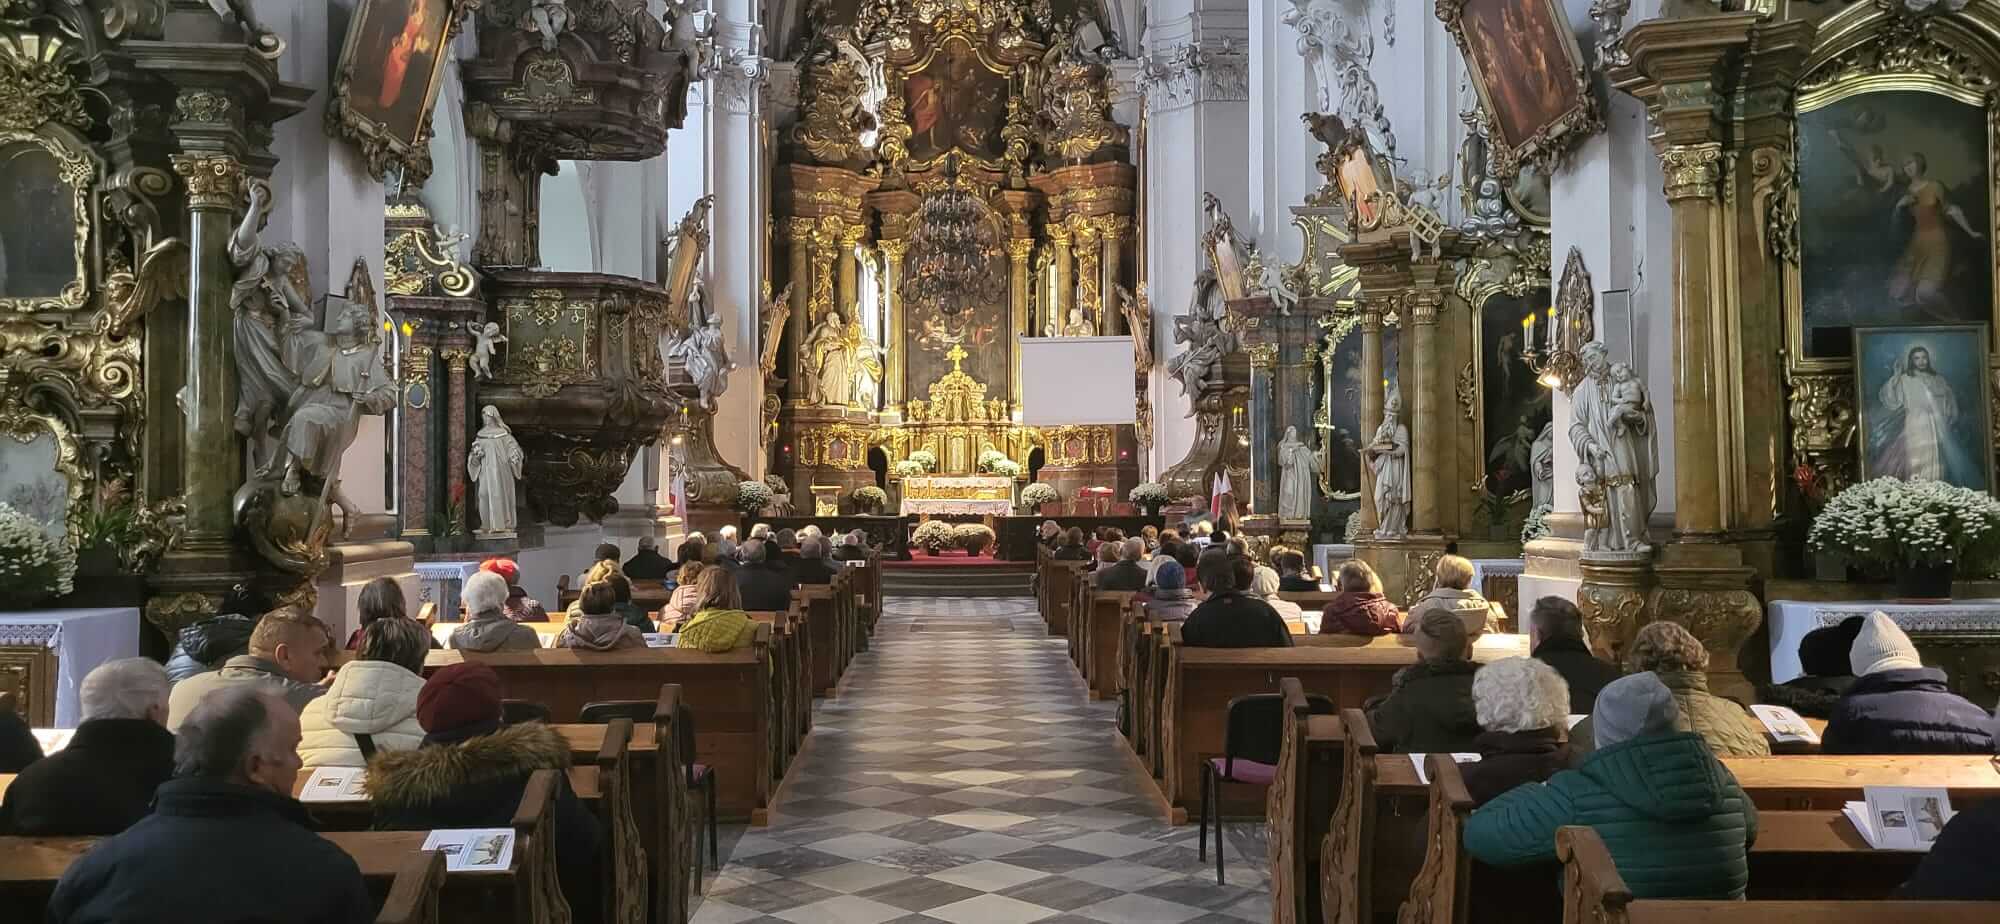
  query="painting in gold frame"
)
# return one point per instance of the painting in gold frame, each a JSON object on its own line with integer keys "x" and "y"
{"x": 1365, "y": 183}
{"x": 389, "y": 70}
{"x": 1524, "y": 61}
{"x": 52, "y": 179}
{"x": 1922, "y": 401}
{"x": 955, "y": 101}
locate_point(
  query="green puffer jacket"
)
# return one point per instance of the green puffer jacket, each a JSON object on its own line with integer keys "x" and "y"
{"x": 1673, "y": 817}
{"x": 1731, "y": 731}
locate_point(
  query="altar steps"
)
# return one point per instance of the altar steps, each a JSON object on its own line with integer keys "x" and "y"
{"x": 996, "y": 580}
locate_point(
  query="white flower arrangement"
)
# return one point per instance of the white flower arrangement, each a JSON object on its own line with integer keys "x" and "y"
{"x": 753, "y": 495}
{"x": 1537, "y": 524}
{"x": 932, "y": 536}
{"x": 870, "y": 496}
{"x": 1149, "y": 492}
{"x": 1888, "y": 522}
{"x": 1353, "y": 527}
{"x": 1039, "y": 493}
{"x": 908, "y": 468}
{"x": 1005, "y": 468}
{"x": 974, "y": 538}
{"x": 925, "y": 458}
{"x": 33, "y": 565}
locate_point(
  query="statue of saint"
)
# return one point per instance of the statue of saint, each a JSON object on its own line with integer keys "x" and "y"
{"x": 1207, "y": 337}
{"x": 494, "y": 466}
{"x": 1617, "y": 450}
{"x": 1078, "y": 325}
{"x": 829, "y": 362}
{"x": 868, "y": 357}
{"x": 1389, "y": 456}
{"x": 341, "y": 376}
{"x": 701, "y": 350}
{"x": 269, "y": 306}
{"x": 1297, "y": 470}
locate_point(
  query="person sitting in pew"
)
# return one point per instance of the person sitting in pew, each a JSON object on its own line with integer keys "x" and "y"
{"x": 1072, "y": 548}
{"x": 372, "y": 702}
{"x": 686, "y": 596}
{"x": 1959, "y": 866}
{"x": 471, "y": 771}
{"x": 1823, "y": 654}
{"x": 1169, "y": 542}
{"x": 104, "y": 780}
{"x": 1429, "y": 705}
{"x": 1264, "y": 584}
{"x": 1899, "y": 706}
{"x": 1678, "y": 659}
{"x": 1049, "y": 535}
{"x": 1359, "y": 606}
{"x": 519, "y": 606}
{"x": 381, "y": 598}
{"x": 289, "y": 654}
{"x": 648, "y": 564}
{"x": 1103, "y": 558}
{"x": 1292, "y": 578}
{"x": 719, "y": 623}
{"x": 1453, "y": 593}
{"x": 693, "y": 548}
{"x": 1150, "y": 535}
{"x": 1171, "y": 600}
{"x": 726, "y": 556}
{"x": 1555, "y": 629}
{"x": 489, "y": 629}
{"x": 762, "y": 584}
{"x": 787, "y": 540}
{"x": 812, "y": 569}
{"x": 598, "y": 627}
{"x": 1123, "y": 572}
{"x": 226, "y": 842}
{"x": 204, "y": 645}
{"x": 631, "y": 613}
{"x": 1675, "y": 820}
{"x": 18, "y": 747}
{"x": 1230, "y": 617}
{"x": 1523, "y": 707}
{"x": 606, "y": 553}
{"x": 853, "y": 547}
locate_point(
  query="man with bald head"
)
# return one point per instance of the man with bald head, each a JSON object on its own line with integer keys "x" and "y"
{"x": 226, "y": 841}
{"x": 289, "y": 653}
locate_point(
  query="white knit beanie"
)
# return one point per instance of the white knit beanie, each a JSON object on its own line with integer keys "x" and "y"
{"x": 1881, "y": 646}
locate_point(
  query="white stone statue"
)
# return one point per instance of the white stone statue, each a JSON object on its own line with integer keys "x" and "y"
{"x": 829, "y": 365}
{"x": 1077, "y": 325}
{"x": 701, "y": 350}
{"x": 486, "y": 339}
{"x": 494, "y": 465}
{"x": 550, "y": 18}
{"x": 1617, "y": 451}
{"x": 341, "y": 377}
{"x": 1389, "y": 456}
{"x": 1209, "y": 339}
{"x": 1298, "y": 470}
{"x": 868, "y": 358}
{"x": 1542, "y": 466}
{"x": 267, "y": 305}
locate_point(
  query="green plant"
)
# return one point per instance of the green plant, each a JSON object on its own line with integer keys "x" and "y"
{"x": 1037, "y": 494}
{"x": 1887, "y": 523}
{"x": 1497, "y": 509}
{"x": 33, "y": 564}
{"x": 450, "y": 522}
{"x": 1537, "y": 524}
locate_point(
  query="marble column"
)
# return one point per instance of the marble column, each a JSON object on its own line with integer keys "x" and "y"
{"x": 892, "y": 299}
{"x": 796, "y": 326}
{"x": 212, "y": 461}
{"x": 1427, "y": 413}
{"x": 1063, "y": 296}
{"x": 1111, "y": 232}
{"x": 850, "y": 288}
{"x": 1372, "y": 398}
{"x": 457, "y": 413}
{"x": 419, "y": 399}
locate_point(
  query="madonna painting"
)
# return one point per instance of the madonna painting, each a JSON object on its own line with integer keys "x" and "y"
{"x": 1923, "y": 402}
{"x": 393, "y": 53}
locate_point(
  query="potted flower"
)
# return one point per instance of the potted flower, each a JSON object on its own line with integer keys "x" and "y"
{"x": 34, "y": 565}
{"x": 869, "y": 499}
{"x": 1922, "y": 532}
{"x": 974, "y": 538}
{"x": 752, "y": 496}
{"x": 1038, "y": 495}
{"x": 1150, "y": 496}
{"x": 933, "y": 536}
{"x": 908, "y": 468}
{"x": 925, "y": 458}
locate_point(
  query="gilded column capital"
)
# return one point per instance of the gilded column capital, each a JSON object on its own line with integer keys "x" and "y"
{"x": 893, "y": 250}
{"x": 214, "y": 181}
{"x": 1059, "y": 234}
{"x": 1424, "y": 306}
{"x": 454, "y": 359}
{"x": 851, "y": 236}
{"x": 1112, "y": 227}
{"x": 1263, "y": 356}
{"x": 1693, "y": 170}
{"x": 1020, "y": 249}
{"x": 802, "y": 230}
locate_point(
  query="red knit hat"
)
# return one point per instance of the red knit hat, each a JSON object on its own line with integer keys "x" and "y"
{"x": 458, "y": 695}
{"x": 508, "y": 571}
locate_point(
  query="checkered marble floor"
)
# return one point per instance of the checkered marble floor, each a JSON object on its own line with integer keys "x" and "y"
{"x": 962, "y": 775}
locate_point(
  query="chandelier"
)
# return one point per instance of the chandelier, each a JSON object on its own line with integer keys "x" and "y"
{"x": 951, "y": 255}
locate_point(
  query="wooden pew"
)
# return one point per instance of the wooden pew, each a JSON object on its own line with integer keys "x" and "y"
{"x": 1060, "y": 585}
{"x": 1374, "y": 845}
{"x": 1200, "y": 682}
{"x": 1300, "y": 805}
{"x": 823, "y": 636}
{"x": 413, "y": 894}
{"x": 791, "y": 698}
{"x": 668, "y": 820}
{"x": 727, "y": 692}
{"x": 1594, "y": 893}
{"x": 868, "y": 596}
{"x": 649, "y": 595}
{"x": 1101, "y": 638}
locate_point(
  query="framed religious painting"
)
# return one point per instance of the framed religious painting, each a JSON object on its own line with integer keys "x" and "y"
{"x": 1895, "y": 211}
{"x": 45, "y": 264}
{"x": 1366, "y": 183}
{"x": 956, "y": 101}
{"x": 1526, "y": 66}
{"x": 1922, "y": 401}
{"x": 388, "y": 77}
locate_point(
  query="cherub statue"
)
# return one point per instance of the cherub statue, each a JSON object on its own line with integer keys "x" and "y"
{"x": 485, "y": 340}
{"x": 550, "y": 18}
{"x": 1628, "y": 401}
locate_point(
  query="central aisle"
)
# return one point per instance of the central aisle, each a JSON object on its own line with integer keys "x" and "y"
{"x": 962, "y": 775}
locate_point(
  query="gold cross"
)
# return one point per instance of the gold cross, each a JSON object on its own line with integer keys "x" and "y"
{"x": 956, "y": 354}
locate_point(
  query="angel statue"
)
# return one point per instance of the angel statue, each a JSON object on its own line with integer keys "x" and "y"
{"x": 1208, "y": 338}
{"x": 701, "y": 350}
{"x": 485, "y": 338}
{"x": 1139, "y": 322}
{"x": 269, "y": 304}
{"x": 550, "y": 18}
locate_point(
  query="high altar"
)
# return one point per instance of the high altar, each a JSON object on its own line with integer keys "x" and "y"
{"x": 964, "y": 131}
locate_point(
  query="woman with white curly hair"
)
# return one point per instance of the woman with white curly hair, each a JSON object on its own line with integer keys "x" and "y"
{"x": 1523, "y": 707}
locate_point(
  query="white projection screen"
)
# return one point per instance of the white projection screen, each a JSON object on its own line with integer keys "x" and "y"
{"x": 1076, "y": 380}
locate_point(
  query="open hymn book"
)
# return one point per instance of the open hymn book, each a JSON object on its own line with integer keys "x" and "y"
{"x": 1900, "y": 817}
{"x": 1784, "y": 725}
{"x": 473, "y": 850}
{"x": 1424, "y": 775}
{"x": 335, "y": 784}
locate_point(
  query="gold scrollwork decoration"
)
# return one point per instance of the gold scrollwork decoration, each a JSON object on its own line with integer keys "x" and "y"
{"x": 26, "y": 425}
{"x": 1467, "y": 392}
{"x": 214, "y": 181}
{"x": 1693, "y": 171}
{"x": 1774, "y": 200}
{"x": 36, "y": 85}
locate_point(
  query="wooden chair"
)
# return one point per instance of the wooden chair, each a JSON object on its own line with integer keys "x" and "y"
{"x": 413, "y": 895}
{"x": 516, "y": 711}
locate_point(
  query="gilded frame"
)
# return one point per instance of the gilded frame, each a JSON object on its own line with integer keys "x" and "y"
{"x": 23, "y": 425}
{"x": 77, "y": 166}
{"x": 905, "y": 69}
{"x": 1550, "y": 143}
{"x": 1983, "y": 377}
{"x": 381, "y": 149}
{"x": 1510, "y": 274}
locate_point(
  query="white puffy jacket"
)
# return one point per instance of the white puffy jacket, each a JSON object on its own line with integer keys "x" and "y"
{"x": 375, "y": 698}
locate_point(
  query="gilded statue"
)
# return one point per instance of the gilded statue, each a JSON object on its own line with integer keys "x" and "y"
{"x": 1139, "y": 322}
{"x": 776, "y": 312}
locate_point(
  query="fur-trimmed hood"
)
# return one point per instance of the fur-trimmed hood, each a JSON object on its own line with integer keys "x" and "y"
{"x": 431, "y": 773}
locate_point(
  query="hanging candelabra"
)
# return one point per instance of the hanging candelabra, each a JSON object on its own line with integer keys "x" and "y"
{"x": 952, "y": 251}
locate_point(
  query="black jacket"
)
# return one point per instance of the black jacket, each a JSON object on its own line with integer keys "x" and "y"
{"x": 845, "y": 552}
{"x": 1960, "y": 864}
{"x": 1906, "y": 711}
{"x": 1813, "y": 697}
{"x": 99, "y": 785}
{"x": 1509, "y": 759}
{"x": 1297, "y": 584}
{"x": 765, "y": 587}
{"x": 1124, "y": 575}
{"x": 18, "y": 747}
{"x": 1070, "y": 553}
{"x": 648, "y": 565}
{"x": 216, "y": 852}
{"x": 1428, "y": 709}
{"x": 1233, "y": 620}
{"x": 206, "y": 644}
{"x": 476, "y": 782}
{"x": 1583, "y": 671}
{"x": 810, "y": 572}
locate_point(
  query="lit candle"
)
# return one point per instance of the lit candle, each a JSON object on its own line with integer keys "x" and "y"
{"x": 1528, "y": 330}
{"x": 1551, "y": 335}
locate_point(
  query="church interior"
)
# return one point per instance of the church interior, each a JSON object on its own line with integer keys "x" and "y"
{"x": 874, "y": 461}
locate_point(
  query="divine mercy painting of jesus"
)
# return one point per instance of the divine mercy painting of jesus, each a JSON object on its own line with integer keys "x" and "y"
{"x": 1922, "y": 394}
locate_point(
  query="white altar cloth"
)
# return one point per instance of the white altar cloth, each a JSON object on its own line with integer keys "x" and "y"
{"x": 442, "y": 581}
{"x": 1791, "y": 619}
{"x": 979, "y": 495}
{"x": 82, "y": 639}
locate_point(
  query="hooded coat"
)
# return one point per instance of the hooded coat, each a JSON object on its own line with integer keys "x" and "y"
{"x": 1428, "y": 709}
{"x": 1480, "y": 615}
{"x": 1906, "y": 711}
{"x": 1359, "y": 613}
{"x": 494, "y": 632}
{"x": 373, "y": 698}
{"x": 1729, "y": 729}
{"x": 206, "y": 644}
{"x": 1675, "y": 820}
{"x": 477, "y": 783}
{"x": 602, "y": 632}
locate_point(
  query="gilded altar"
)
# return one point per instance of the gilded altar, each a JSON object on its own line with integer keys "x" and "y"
{"x": 985, "y": 495}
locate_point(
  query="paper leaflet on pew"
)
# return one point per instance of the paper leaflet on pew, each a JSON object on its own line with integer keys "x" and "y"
{"x": 473, "y": 850}
{"x": 1571, "y": 722}
{"x": 662, "y": 639}
{"x": 335, "y": 784}
{"x": 1784, "y": 725}
{"x": 52, "y": 739}
{"x": 1900, "y": 817}
{"x": 1424, "y": 777}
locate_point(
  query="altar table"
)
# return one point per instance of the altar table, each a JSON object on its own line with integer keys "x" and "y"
{"x": 1790, "y": 620}
{"x": 978, "y": 495}
{"x": 58, "y": 648}
{"x": 442, "y": 581}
